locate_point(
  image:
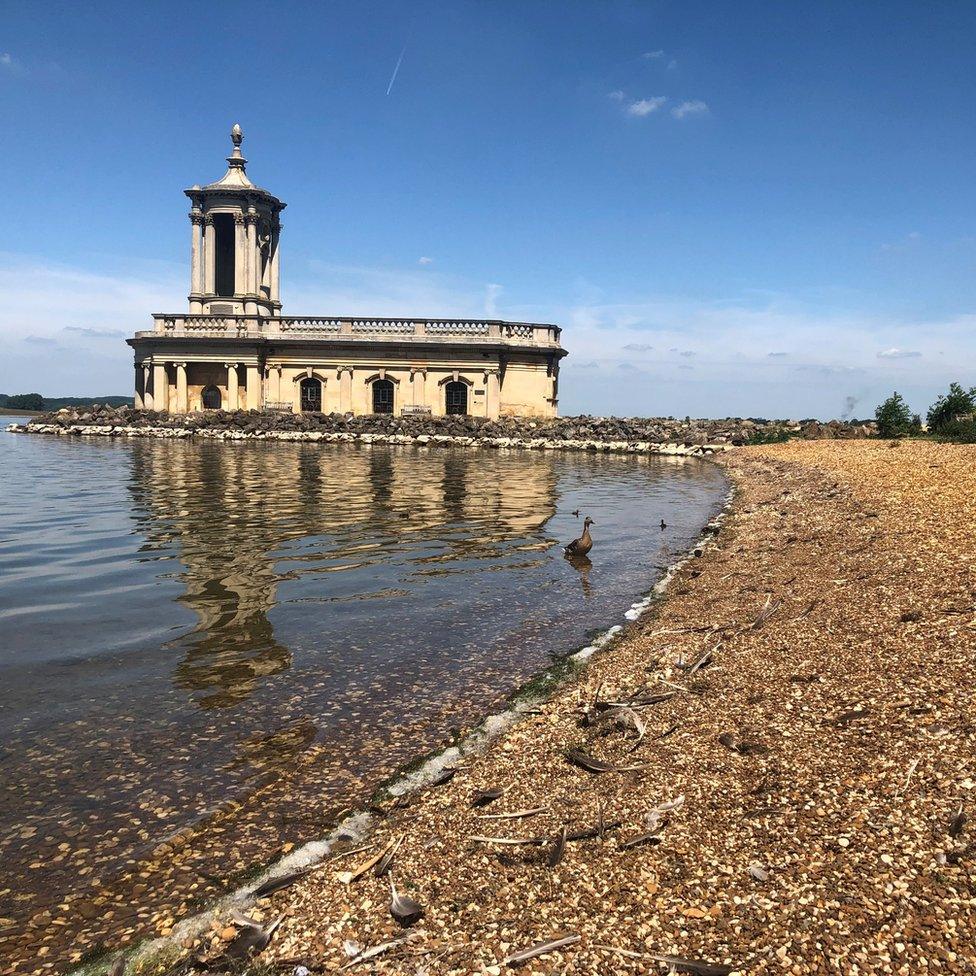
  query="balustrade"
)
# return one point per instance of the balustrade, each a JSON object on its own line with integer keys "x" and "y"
{"x": 248, "y": 325}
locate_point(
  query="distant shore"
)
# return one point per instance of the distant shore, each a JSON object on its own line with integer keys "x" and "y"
{"x": 791, "y": 795}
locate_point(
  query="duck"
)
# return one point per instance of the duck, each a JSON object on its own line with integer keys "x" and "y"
{"x": 582, "y": 545}
{"x": 576, "y": 513}
{"x": 664, "y": 524}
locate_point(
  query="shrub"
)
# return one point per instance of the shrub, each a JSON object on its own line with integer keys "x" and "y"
{"x": 893, "y": 417}
{"x": 959, "y": 431}
{"x": 952, "y": 408}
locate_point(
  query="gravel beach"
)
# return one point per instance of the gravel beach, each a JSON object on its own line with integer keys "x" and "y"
{"x": 790, "y": 772}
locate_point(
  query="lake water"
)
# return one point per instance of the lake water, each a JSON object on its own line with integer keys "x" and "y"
{"x": 280, "y": 625}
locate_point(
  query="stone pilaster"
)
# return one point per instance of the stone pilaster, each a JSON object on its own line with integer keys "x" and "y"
{"x": 233, "y": 394}
{"x": 182, "y": 404}
{"x": 345, "y": 388}
{"x": 418, "y": 382}
{"x": 492, "y": 394}
{"x": 253, "y": 388}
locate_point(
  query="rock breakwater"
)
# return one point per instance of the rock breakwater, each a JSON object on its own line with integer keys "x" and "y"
{"x": 654, "y": 435}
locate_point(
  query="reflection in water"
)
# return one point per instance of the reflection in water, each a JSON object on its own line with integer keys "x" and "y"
{"x": 282, "y": 623}
{"x": 322, "y": 496}
{"x": 582, "y": 565}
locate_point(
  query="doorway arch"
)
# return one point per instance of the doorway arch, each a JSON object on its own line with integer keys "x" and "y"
{"x": 211, "y": 398}
{"x": 455, "y": 398}
{"x": 310, "y": 395}
{"x": 383, "y": 396}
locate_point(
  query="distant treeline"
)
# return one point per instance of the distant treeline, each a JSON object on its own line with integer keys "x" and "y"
{"x": 34, "y": 401}
{"x": 951, "y": 418}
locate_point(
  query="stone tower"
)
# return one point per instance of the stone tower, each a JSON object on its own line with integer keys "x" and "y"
{"x": 234, "y": 249}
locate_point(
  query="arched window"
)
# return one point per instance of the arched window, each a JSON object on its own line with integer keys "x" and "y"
{"x": 311, "y": 395}
{"x": 456, "y": 398}
{"x": 211, "y": 398}
{"x": 383, "y": 396}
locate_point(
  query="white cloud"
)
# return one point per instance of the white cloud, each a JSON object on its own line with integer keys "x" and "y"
{"x": 645, "y": 106}
{"x": 45, "y": 350}
{"x": 895, "y": 353}
{"x": 819, "y": 357}
{"x": 10, "y": 64}
{"x": 425, "y": 260}
{"x": 913, "y": 237}
{"x": 689, "y": 108}
{"x": 617, "y": 96}
{"x": 652, "y": 55}
{"x": 492, "y": 292}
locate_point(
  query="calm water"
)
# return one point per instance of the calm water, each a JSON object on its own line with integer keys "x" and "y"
{"x": 283, "y": 624}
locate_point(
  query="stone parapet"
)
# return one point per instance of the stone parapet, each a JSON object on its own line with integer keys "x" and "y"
{"x": 347, "y": 328}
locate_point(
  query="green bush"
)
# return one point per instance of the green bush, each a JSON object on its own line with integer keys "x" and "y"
{"x": 952, "y": 409}
{"x": 894, "y": 418}
{"x": 959, "y": 431}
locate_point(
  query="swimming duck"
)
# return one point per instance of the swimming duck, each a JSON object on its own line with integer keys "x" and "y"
{"x": 582, "y": 545}
{"x": 664, "y": 524}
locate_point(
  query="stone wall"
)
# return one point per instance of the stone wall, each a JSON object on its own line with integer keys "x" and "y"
{"x": 629, "y": 434}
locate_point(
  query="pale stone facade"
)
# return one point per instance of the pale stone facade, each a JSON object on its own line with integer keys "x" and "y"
{"x": 235, "y": 350}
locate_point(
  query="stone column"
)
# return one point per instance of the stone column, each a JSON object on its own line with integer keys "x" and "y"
{"x": 137, "y": 393}
{"x": 345, "y": 389}
{"x": 209, "y": 255}
{"x": 160, "y": 387}
{"x": 253, "y": 388}
{"x": 492, "y": 395}
{"x": 196, "y": 261}
{"x": 182, "y": 406}
{"x": 240, "y": 255}
{"x": 275, "y": 283}
{"x": 250, "y": 264}
{"x": 233, "y": 396}
{"x": 147, "y": 398}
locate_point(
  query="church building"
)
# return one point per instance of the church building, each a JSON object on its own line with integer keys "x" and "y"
{"x": 233, "y": 349}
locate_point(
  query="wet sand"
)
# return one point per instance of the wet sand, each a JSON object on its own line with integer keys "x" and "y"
{"x": 815, "y": 762}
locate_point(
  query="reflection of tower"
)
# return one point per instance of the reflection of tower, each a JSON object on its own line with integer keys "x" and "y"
{"x": 210, "y": 500}
{"x": 233, "y": 515}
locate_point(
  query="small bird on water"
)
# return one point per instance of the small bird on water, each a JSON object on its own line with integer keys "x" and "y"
{"x": 582, "y": 545}
{"x": 576, "y": 513}
{"x": 664, "y": 524}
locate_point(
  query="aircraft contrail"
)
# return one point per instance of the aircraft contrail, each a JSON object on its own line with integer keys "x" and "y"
{"x": 389, "y": 87}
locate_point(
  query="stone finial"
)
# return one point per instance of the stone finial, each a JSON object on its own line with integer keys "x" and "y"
{"x": 236, "y": 160}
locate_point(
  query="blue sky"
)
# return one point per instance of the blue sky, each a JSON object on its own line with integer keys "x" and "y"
{"x": 731, "y": 208}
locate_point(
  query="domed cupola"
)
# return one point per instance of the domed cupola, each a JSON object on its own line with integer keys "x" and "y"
{"x": 234, "y": 267}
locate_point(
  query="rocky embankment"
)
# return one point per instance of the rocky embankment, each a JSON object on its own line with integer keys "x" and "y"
{"x": 665, "y": 435}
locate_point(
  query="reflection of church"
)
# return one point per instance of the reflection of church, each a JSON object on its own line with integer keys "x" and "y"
{"x": 209, "y": 501}
{"x": 235, "y": 350}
